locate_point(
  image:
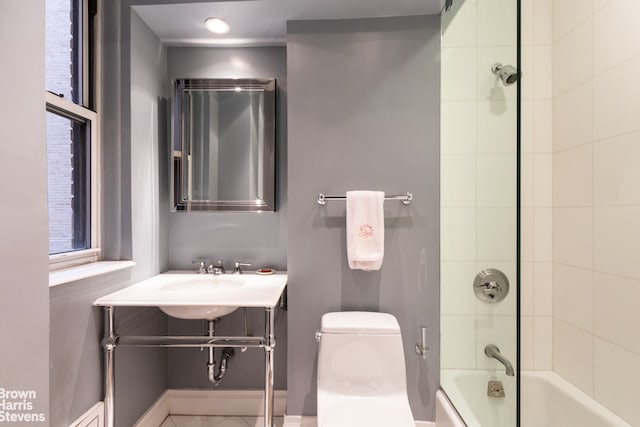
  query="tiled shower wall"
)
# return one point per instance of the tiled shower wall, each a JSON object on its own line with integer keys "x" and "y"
{"x": 596, "y": 202}
{"x": 536, "y": 188}
{"x": 478, "y": 186}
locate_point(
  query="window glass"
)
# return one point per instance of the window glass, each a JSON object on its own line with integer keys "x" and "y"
{"x": 68, "y": 184}
{"x": 64, "y": 49}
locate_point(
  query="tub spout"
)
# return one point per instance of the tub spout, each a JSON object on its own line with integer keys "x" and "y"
{"x": 494, "y": 352}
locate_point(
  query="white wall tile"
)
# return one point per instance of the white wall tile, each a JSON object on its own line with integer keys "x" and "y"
{"x": 616, "y": 101}
{"x": 617, "y": 318}
{"x": 573, "y": 177}
{"x": 542, "y": 341}
{"x": 496, "y": 180}
{"x": 496, "y": 22}
{"x": 542, "y": 70}
{"x": 543, "y": 288}
{"x": 573, "y": 58}
{"x": 456, "y": 288}
{"x": 528, "y": 72}
{"x": 527, "y": 288}
{"x": 527, "y": 234}
{"x": 573, "y": 355}
{"x": 526, "y": 180}
{"x": 542, "y": 172}
{"x": 500, "y": 331}
{"x": 617, "y": 380}
{"x": 573, "y": 117}
{"x": 458, "y": 175}
{"x": 543, "y": 232}
{"x": 616, "y": 34}
{"x": 568, "y": 14}
{"x": 597, "y": 4}
{"x": 459, "y": 78}
{"x": 459, "y": 127}
{"x": 462, "y": 30}
{"x": 573, "y": 236}
{"x": 497, "y": 126}
{"x": 573, "y": 296}
{"x": 616, "y": 173}
{"x": 458, "y": 237}
{"x": 543, "y": 128}
{"x": 542, "y": 22}
{"x": 615, "y": 240}
{"x": 526, "y": 26}
{"x": 458, "y": 342}
{"x": 526, "y": 126}
{"x": 526, "y": 343}
{"x": 496, "y": 234}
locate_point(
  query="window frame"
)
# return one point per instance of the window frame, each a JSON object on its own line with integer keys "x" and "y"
{"x": 90, "y": 94}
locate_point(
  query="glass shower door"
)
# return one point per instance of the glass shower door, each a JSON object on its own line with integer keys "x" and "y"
{"x": 479, "y": 210}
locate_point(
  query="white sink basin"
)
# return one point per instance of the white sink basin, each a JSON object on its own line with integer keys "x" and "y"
{"x": 201, "y": 287}
{"x": 187, "y": 295}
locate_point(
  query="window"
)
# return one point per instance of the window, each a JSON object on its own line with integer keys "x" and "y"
{"x": 72, "y": 134}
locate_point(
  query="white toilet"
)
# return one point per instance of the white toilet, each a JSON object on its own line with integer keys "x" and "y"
{"x": 361, "y": 372}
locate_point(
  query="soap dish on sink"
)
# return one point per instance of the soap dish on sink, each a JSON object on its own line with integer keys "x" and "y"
{"x": 265, "y": 271}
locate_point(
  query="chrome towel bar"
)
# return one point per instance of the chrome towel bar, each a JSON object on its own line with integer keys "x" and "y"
{"x": 406, "y": 198}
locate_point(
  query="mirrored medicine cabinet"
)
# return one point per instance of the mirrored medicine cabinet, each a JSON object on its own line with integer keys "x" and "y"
{"x": 223, "y": 144}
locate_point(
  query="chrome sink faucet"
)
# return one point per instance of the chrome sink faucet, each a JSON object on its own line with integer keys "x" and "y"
{"x": 493, "y": 351}
{"x": 217, "y": 269}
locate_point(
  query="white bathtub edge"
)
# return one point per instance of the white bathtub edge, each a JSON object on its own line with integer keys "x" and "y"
{"x": 446, "y": 415}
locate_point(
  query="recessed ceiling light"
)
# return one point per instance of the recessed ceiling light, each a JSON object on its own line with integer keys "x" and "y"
{"x": 217, "y": 25}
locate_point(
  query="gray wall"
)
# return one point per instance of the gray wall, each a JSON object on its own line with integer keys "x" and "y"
{"x": 260, "y": 239}
{"x": 364, "y": 113}
{"x": 24, "y": 304}
{"x": 134, "y": 227}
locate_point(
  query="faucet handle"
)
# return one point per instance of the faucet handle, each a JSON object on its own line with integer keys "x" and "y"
{"x": 236, "y": 267}
{"x": 202, "y": 265}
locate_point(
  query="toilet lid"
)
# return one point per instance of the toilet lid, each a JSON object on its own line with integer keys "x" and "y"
{"x": 368, "y": 413}
{"x": 359, "y": 322}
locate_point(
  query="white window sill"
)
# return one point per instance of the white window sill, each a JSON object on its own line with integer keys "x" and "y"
{"x": 85, "y": 271}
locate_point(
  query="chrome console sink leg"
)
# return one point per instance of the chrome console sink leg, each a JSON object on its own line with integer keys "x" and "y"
{"x": 109, "y": 345}
{"x": 269, "y": 347}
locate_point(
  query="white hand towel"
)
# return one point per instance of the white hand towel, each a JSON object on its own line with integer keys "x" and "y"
{"x": 365, "y": 229}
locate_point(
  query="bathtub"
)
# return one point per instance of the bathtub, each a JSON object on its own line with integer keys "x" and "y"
{"x": 547, "y": 400}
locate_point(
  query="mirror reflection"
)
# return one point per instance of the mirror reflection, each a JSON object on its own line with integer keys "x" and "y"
{"x": 224, "y": 143}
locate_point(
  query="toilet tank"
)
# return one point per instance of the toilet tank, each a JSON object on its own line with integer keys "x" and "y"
{"x": 361, "y": 355}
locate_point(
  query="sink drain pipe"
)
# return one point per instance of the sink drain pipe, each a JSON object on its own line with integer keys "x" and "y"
{"x": 227, "y": 353}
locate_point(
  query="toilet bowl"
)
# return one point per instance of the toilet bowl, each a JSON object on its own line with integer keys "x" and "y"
{"x": 361, "y": 372}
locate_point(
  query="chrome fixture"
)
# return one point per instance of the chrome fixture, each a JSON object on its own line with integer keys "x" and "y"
{"x": 237, "y": 265}
{"x": 227, "y": 353}
{"x": 495, "y": 389}
{"x": 406, "y": 198}
{"x": 507, "y": 73}
{"x": 421, "y": 347}
{"x": 202, "y": 265}
{"x": 493, "y": 351}
{"x": 491, "y": 286}
{"x": 217, "y": 269}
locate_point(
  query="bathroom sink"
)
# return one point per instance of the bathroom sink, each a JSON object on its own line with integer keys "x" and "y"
{"x": 200, "y": 287}
{"x": 187, "y": 295}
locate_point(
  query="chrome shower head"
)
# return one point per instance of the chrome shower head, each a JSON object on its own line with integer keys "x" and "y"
{"x": 508, "y": 74}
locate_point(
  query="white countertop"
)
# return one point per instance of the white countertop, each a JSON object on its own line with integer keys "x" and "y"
{"x": 185, "y": 288}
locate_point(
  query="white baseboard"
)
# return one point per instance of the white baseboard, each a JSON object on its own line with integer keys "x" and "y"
{"x": 210, "y": 402}
{"x": 94, "y": 417}
{"x": 300, "y": 421}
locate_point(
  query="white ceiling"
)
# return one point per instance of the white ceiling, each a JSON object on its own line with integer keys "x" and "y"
{"x": 263, "y": 22}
